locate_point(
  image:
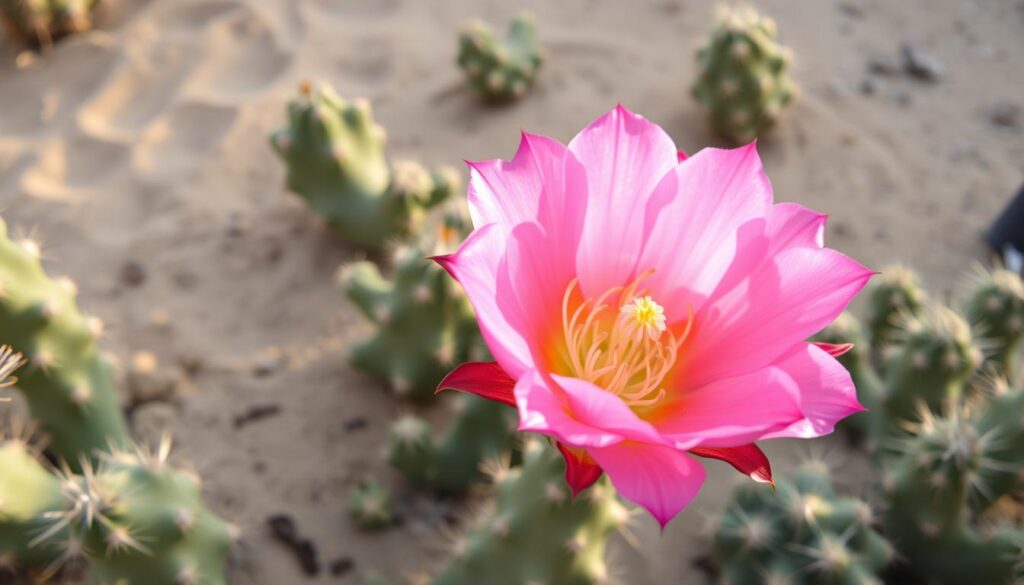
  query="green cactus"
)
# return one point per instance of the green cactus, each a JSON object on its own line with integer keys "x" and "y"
{"x": 132, "y": 519}
{"x": 500, "y": 71}
{"x": 483, "y": 430}
{"x": 369, "y": 505}
{"x": 334, "y": 153}
{"x": 944, "y": 423}
{"x": 67, "y": 383}
{"x": 538, "y": 533}
{"x": 996, "y": 310}
{"x": 42, "y": 22}
{"x": 803, "y": 533}
{"x": 424, "y": 323}
{"x": 743, "y": 78}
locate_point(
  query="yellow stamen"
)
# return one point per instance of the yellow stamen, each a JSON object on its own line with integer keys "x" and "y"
{"x": 630, "y": 355}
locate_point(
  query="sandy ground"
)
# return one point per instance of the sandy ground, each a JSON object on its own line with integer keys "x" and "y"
{"x": 145, "y": 142}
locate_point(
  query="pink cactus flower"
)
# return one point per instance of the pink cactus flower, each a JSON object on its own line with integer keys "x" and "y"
{"x": 644, "y": 307}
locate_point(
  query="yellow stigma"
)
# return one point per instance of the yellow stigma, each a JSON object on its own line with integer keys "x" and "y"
{"x": 629, "y": 354}
{"x": 642, "y": 317}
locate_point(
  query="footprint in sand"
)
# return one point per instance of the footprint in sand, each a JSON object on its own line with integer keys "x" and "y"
{"x": 78, "y": 162}
{"x": 142, "y": 88}
{"x": 241, "y": 58}
{"x": 177, "y": 144}
{"x": 51, "y": 91}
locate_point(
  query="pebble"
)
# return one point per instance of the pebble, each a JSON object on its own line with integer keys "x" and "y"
{"x": 921, "y": 65}
{"x": 133, "y": 273}
{"x": 1007, "y": 115}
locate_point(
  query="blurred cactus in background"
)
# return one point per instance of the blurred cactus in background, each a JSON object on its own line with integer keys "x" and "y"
{"x": 800, "y": 534}
{"x": 424, "y": 324}
{"x": 370, "y": 506}
{"x": 483, "y": 430}
{"x": 334, "y": 153}
{"x": 500, "y": 71}
{"x": 944, "y": 422}
{"x": 537, "y": 532}
{"x": 130, "y": 519}
{"x": 743, "y": 75}
{"x": 42, "y": 22}
{"x": 67, "y": 383}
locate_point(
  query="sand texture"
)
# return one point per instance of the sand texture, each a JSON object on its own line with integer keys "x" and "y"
{"x": 137, "y": 153}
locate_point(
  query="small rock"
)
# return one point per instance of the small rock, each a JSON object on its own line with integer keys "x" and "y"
{"x": 850, "y": 9}
{"x": 869, "y": 86}
{"x": 147, "y": 382}
{"x": 133, "y": 273}
{"x": 921, "y": 65}
{"x": 356, "y": 423}
{"x": 1007, "y": 115}
{"x": 282, "y": 527}
{"x": 256, "y": 413}
{"x": 884, "y": 65}
{"x": 269, "y": 361}
{"x": 342, "y": 566}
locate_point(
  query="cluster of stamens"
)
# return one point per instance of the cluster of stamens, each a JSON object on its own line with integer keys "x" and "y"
{"x": 628, "y": 354}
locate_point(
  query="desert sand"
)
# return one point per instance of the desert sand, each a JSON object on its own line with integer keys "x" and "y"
{"x": 137, "y": 153}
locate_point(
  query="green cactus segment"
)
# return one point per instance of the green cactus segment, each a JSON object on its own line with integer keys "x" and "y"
{"x": 896, "y": 297}
{"x": 483, "y": 430}
{"x": 803, "y": 533}
{"x": 132, "y": 519}
{"x": 41, "y": 22}
{"x": 500, "y": 71}
{"x": 66, "y": 383}
{"x": 369, "y": 505}
{"x": 946, "y": 433}
{"x": 996, "y": 310}
{"x": 424, "y": 324}
{"x": 538, "y": 533}
{"x": 743, "y": 79}
{"x": 27, "y": 492}
{"x": 334, "y": 153}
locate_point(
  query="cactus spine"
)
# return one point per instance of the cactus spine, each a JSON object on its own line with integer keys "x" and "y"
{"x": 334, "y": 153}
{"x": 500, "y": 71}
{"x": 66, "y": 383}
{"x": 41, "y": 22}
{"x": 803, "y": 534}
{"x": 743, "y": 79}
{"x": 132, "y": 519}
{"x": 945, "y": 424}
{"x": 538, "y": 533}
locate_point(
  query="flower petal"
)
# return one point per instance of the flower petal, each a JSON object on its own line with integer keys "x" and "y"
{"x": 543, "y": 411}
{"x": 475, "y": 265}
{"x": 580, "y": 469}
{"x": 693, "y": 219}
{"x": 625, "y": 157}
{"x": 485, "y": 379}
{"x": 835, "y": 350}
{"x": 747, "y": 459}
{"x": 601, "y": 409}
{"x": 804, "y": 394}
{"x": 661, "y": 479}
{"x": 787, "y": 299}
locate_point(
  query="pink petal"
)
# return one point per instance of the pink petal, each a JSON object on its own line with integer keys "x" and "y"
{"x": 625, "y": 157}
{"x": 835, "y": 350}
{"x": 747, "y": 459}
{"x": 795, "y": 225}
{"x": 786, "y": 299}
{"x": 543, "y": 411}
{"x": 694, "y": 218}
{"x": 804, "y": 394}
{"x": 660, "y": 479}
{"x": 580, "y": 470}
{"x": 475, "y": 265}
{"x": 826, "y": 392}
{"x": 543, "y": 184}
{"x": 485, "y": 379}
{"x": 601, "y": 409}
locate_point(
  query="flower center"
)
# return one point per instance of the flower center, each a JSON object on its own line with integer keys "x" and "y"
{"x": 629, "y": 355}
